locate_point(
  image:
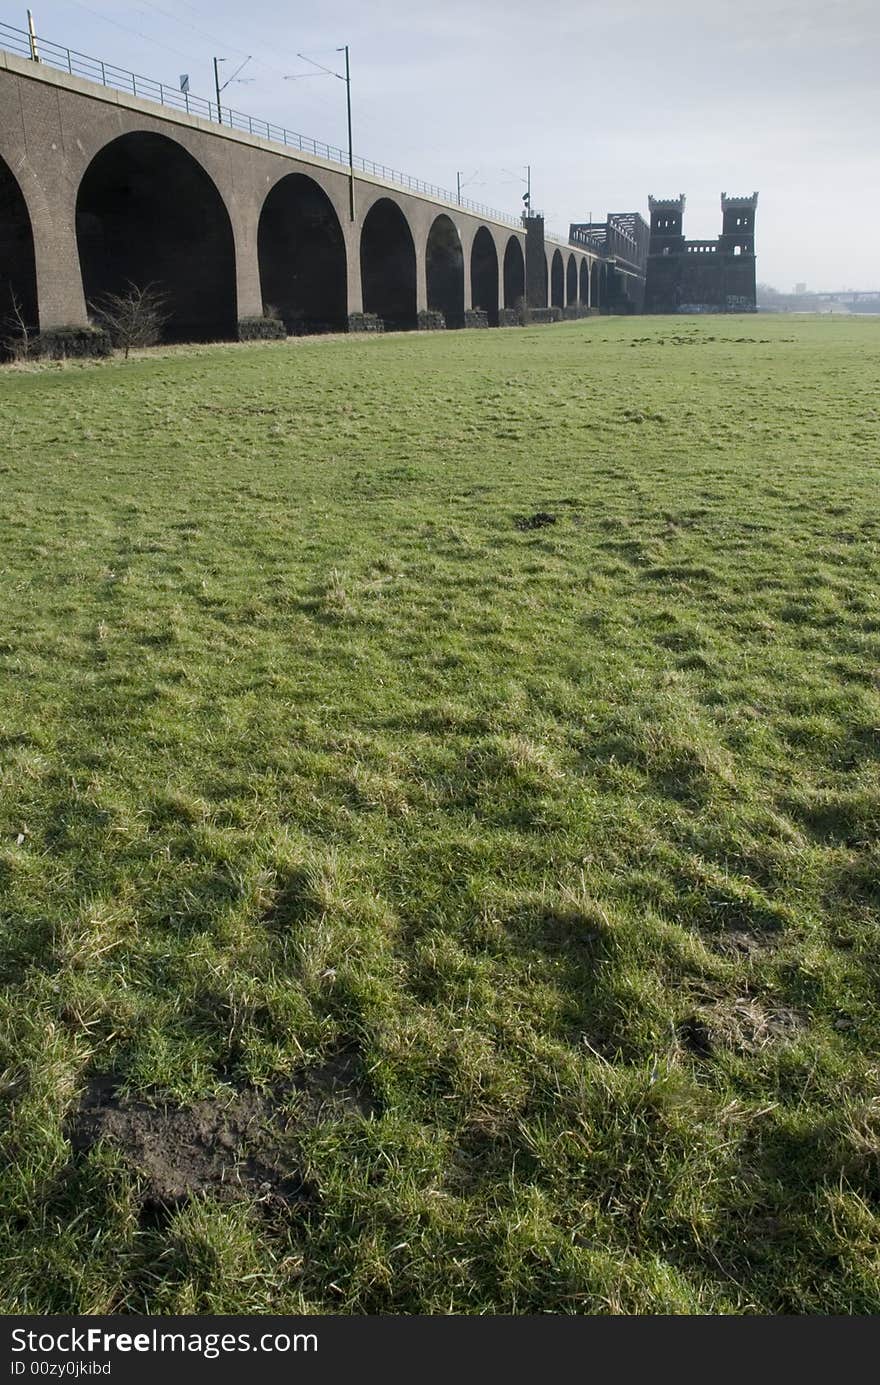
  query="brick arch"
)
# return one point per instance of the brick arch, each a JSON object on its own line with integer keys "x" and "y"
{"x": 302, "y": 256}
{"x": 147, "y": 212}
{"x": 584, "y": 281}
{"x": 557, "y": 280}
{"x": 514, "y": 273}
{"x": 571, "y": 281}
{"x": 388, "y": 264}
{"x": 484, "y": 274}
{"x": 18, "y": 267}
{"x": 444, "y": 270}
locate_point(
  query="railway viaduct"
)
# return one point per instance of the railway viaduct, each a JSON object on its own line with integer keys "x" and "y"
{"x": 99, "y": 187}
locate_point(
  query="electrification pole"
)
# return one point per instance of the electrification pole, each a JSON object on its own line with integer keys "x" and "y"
{"x": 234, "y": 78}
{"x": 294, "y": 76}
{"x": 350, "y": 151}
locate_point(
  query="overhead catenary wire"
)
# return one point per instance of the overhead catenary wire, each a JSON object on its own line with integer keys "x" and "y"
{"x": 371, "y": 126}
{"x": 317, "y": 98}
{"x": 145, "y": 38}
{"x": 178, "y": 19}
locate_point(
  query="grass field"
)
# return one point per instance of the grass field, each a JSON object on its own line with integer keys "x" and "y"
{"x": 411, "y": 906}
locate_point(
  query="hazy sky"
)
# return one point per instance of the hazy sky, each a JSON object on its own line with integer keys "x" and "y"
{"x": 608, "y": 101}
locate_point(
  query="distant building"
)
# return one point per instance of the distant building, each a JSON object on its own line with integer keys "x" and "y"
{"x": 622, "y": 242}
{"x": 701, "y": 276}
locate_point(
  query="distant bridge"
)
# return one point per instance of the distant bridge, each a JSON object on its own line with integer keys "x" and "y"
{"x": 100, "y": 186}
{"x": 849, "y": 296}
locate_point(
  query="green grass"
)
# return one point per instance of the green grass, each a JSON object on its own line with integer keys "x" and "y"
{"x": 566, "y": 837}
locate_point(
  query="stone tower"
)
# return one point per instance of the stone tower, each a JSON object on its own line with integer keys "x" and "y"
{"x": 738, "y": 224}
{"x": 667, "y": 225}
{"x": 736, "y": 249}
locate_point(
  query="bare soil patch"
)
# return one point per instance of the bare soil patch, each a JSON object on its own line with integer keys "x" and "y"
{"x": 238, "y": 1145}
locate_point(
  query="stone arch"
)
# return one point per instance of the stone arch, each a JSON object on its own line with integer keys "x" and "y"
{"x": 444, "y": 271}
{"x": 614, "y": 289}
{"x": 302, "y": 260}
{"x": 557, "y": 281}
{"x": 594, "y": 284}
{"x": 514, "y": 273}
{"x": 484, "y": 274}
{"x": 571, "y": 281}
{"x": 388, "y": 266}
{"x": 18, "y": 270}
{"x": 584, "y": 283}
{"x": 148, "y": 213}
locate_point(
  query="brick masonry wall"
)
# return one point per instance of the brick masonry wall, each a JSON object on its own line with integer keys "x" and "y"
{"x": 539, "y": 316}
{"x": 365, "y": 322}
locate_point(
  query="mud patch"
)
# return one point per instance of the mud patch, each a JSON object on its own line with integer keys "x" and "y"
{"x": 235, "y": 1146}
{"x": 740, "y": 943}
{"x": 336, "y": 1088}
{"x": 229, "y": 1148}
{"x": 539, "y": 520}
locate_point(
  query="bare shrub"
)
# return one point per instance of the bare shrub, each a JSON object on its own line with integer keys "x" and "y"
{"x": 134, "y": 317}
{"x": 15, "y": 331}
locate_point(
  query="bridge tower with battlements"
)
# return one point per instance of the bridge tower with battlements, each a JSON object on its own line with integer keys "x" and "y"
{"x": 701, "y": 276}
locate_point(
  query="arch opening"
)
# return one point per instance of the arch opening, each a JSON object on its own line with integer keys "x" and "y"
{"x": 557, "y": 281}
{"x": 615, "y": 295}
{"x": 484, "y": 275}
{"x": 148, "y": 213}
{"x": 444, "y": 269}
{"x": 18, "y": 269}
{"x": 584, "y": 283}
{"x": 594, "y": 285}
{"x": 571, "y": 282}
{"x": 514, "y": 274}
{"x": 388, "y": 266}
{"x": 301, "y": 252}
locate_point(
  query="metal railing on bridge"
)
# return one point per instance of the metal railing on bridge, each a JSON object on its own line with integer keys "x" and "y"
{"x": 68, "y": 60}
